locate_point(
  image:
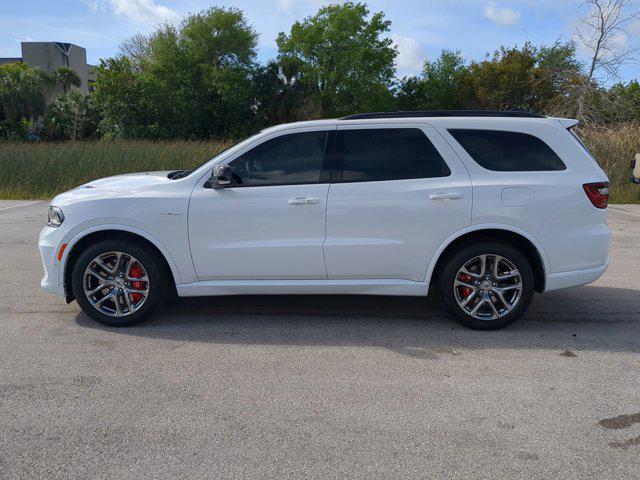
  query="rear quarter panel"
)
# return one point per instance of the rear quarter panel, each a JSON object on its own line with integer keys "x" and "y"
{"x": 556, "y": 211}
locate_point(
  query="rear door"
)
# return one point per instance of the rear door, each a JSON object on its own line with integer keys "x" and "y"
{"x": 396, "y": 194}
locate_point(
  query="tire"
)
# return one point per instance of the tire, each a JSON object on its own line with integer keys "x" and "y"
{"x": 138, "y": 269}
{"x": 461, "y": 301}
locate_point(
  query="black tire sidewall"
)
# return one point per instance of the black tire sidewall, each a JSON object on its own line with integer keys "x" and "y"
{"x": 150, "y": 262}
{"x": 457, "y": 260}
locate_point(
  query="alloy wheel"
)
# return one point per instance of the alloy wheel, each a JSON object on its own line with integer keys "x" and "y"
{"x": 488, "y": 287}
{"x": 116, "y": 284}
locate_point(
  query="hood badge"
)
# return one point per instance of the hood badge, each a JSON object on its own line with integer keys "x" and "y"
{"x": 171, "y": 214}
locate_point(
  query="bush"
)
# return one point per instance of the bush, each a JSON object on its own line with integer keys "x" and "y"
{"x": 71, "y": 116}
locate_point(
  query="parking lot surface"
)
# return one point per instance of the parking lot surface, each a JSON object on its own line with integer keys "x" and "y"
{"x": 319, "y": 387}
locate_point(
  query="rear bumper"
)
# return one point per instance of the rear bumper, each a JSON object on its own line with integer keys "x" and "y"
{"x": 633, "y": 179}
{"x": 557, "y": 281}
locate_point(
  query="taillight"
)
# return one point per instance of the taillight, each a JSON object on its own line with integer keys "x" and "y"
{"x": 598, "y": 193}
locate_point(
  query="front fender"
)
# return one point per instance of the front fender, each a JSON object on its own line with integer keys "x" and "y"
{"x": 78, "y": 233}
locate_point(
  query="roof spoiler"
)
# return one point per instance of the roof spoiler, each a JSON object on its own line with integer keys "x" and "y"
{"x": 568, "y": 123}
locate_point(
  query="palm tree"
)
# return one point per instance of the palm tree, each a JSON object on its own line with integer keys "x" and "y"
{"x": 66, "y": 77}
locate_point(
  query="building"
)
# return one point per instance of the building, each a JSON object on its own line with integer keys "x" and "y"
{"x": 50, "y": 56}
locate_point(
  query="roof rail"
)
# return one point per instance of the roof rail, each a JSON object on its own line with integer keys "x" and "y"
{"x": 443, "y": 113}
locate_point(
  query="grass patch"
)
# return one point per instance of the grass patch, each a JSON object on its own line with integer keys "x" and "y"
{"x": 42, "y": 170}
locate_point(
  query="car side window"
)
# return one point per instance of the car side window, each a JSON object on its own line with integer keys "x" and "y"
{"x": 288, "y": 159}
{"x": 369, "y": 155}
{"x": 508, "y": 151}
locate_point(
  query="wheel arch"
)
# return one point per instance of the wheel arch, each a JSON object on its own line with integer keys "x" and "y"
{"x": 520, "y": 239}
{"x": 88, "y": 237}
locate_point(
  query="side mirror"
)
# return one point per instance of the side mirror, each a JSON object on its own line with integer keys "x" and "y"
{"x": 220, "y": 177}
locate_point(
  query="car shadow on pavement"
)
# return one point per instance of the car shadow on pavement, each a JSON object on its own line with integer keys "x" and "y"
{"x": 586, "y": 318}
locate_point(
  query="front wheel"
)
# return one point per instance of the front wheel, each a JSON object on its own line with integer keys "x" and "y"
{"x": 487, "y": 285}
{"x": 118, "y": 283}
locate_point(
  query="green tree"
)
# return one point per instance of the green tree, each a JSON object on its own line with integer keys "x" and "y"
{"x": 21, "y": 99}
{"x": 557, "y": 64}
{"x": 621, "y": 103}
{"x": 411, "y": 94}
{"x": 66, "y": 78}
{"x": 345, "y": 61}
{"x": 530, "y": 78}
{"x": 281, "y": 93}
{"x": 71, "y": 116}
{"x": 127, "y": 104}
{"x": 557, "y": 79}
{"x": 193, "y": 80}
{"x": 444, "y": 80}
{"x": 504, "y": 81}
{"x": 439, "y": 87}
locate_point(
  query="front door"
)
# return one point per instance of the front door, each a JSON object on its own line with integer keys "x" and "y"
{"x": 396, "y": 195}
{"x": 270, "y": 222}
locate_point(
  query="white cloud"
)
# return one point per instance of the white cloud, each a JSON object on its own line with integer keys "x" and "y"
{"x": 26, "y": 39}
{"x": 410, "y": 54}
{"x": 142, "y": 11}
{"x": 285, "y": 4}
{"x": 502, "y": 16}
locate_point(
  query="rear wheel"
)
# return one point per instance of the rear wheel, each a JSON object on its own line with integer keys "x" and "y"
{"x": 118, "y": 283}
{"x": 487, "y": 285}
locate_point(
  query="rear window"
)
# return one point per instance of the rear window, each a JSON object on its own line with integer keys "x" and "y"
{"x": 508, "y": 151}
{"x": 369, "y": 155}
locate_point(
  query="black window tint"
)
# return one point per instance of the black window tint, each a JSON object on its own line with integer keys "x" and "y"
{"x": 370, "y": 155}
{"x": 508, "y": 151}
{"x": 288, "y": 159}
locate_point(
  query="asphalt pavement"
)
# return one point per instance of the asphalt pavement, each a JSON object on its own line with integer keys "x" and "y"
{"x": 318, "y": 387}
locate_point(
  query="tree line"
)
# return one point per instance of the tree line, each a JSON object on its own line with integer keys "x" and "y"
{"x": 201, "y": 79}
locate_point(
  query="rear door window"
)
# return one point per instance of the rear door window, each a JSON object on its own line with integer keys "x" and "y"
{"x": 370, "y": 155}
{"x": 508, "y": 151}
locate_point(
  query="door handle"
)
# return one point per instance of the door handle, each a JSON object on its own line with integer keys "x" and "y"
{"x": 303, "y": 201}
{"x": 445, "y": 196}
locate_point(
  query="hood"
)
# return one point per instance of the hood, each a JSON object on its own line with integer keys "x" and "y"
{"x": 129, "y": 181}
{"x": 130, "y": 185}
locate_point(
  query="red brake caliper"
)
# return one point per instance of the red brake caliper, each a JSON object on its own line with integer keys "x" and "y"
{"x": 136, "y": 272}
{"x": 466, "y": 291}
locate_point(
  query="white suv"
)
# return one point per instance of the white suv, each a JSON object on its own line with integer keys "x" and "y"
{"x": 487, "y": 207}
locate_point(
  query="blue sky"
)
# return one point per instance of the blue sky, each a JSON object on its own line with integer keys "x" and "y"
{"x": 419, "y": 28}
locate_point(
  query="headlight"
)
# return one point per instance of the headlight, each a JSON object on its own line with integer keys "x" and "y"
{"x": 56, "y": 217}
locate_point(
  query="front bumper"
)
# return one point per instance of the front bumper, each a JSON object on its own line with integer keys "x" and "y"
{"x": 633, "y": 179}
{"x": 49, "y": 244}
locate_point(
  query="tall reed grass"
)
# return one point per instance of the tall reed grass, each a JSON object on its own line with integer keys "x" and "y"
{"x": 41, "y": 170}
{"x": 614, "y": 148}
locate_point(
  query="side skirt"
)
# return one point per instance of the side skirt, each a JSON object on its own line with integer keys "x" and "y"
{"x": 303, "y": 287}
